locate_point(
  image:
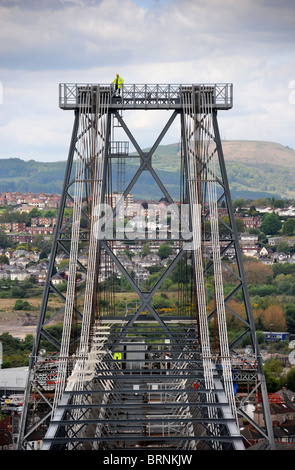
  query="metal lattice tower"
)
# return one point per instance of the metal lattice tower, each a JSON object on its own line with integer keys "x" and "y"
{"x": 141, "y": 375}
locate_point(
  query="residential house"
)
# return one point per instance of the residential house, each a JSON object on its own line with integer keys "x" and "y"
{"x": 126, "y": 262}
{"x": 40, "y": 230}
{"x": 250, "y": 250}
{"x": 273, "y": 241}
{"x": 249, "y": 222}
{"x": 56, "y": 280}
{"x": 264, "y": 210}
{"x": 286, "y": 212}
{"x": 13, "y": 227}
{"x": 267, "y": 261}
{"x": 41, "y": 276}
{"x": 4, "y": 273}
{"x": 281, "y": 257}
{"x": 249, "y": 245}
{"x": 43, "y": 221}
{"x": 151, "y": 260}
{"x": 19, "y": 274}
{"x": 61, "y": 257}
{"x": 282, "y": 408}
{"x": 21, "y": 237}
{"x": 248, "y": 238}
{"x": 20, "y": 262}
{"x": 285, "y": 433}
{"x": 38, "y": 271}
{"x": 265, "y": 252}
{"x": 18, "y": 253}
{"x": 140, "y": 274}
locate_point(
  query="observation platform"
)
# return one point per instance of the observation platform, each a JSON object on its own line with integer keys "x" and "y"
{"x": 148, "y": 96}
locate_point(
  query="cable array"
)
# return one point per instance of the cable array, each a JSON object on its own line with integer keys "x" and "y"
{"x": 202, "y": 178}
{"x": 81, "y": 157}
{"x": 90, "y": 152}
{"x": 98, "y": 152}
{"x": 218, "y": 280}
{"x": 193, "y": 170}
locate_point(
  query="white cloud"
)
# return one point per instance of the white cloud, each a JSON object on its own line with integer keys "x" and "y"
{"x": 42, "y": 43}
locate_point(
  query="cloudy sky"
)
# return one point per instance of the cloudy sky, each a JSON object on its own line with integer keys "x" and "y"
{"x": 250, "y": 43}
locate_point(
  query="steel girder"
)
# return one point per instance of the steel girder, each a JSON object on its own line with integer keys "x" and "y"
{"x": 114, "y": 400}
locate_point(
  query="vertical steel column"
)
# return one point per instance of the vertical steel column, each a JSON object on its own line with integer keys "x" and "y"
{"x": 49, "y": 275}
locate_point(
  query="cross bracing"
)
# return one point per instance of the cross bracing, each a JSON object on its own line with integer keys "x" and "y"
{"x": 155, "y": 395}
{"x": 141, "y": 374}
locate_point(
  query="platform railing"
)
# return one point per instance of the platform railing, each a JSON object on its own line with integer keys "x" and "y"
{"x": 145, "y": 96}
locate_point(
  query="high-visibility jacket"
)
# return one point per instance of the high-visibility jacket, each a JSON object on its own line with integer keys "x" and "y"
{"x": 118, "y": 82}
{"x": 118, "y": 356}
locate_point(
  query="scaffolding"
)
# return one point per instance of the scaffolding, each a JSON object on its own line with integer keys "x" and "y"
{"x": 148, "y": 376}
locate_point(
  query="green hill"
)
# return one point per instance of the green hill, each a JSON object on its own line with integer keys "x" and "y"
{"x": 260, "y": 168}
{"x": 26, "y": 176}
{"x": 255, "y": 169}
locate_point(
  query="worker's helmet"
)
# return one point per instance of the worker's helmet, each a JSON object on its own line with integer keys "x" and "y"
{"x": 117, "y": 74}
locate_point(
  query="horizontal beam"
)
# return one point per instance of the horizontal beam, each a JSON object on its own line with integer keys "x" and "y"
{"x": 117, "y": 437}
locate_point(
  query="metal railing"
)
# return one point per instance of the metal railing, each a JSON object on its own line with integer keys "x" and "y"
{"x": 145, "y": 96}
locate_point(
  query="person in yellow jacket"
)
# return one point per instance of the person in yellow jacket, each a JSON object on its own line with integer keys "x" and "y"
{"x": 118, "y": 357}
{"x": 118, "y": 83}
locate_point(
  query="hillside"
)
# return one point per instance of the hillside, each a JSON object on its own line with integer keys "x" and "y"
{"x": 262, "y": 168}
{"x": 255, "y": 169}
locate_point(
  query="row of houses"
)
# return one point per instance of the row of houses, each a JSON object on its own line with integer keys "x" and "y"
{"x": 39, "y": 200}
{"x": 23, "y": 265}
{"x": 282, "y": 413}
{"x": 249, "y": 247}
{"x": 137, "y": 265}
{"x": 39, "y": 226}
{"x": 21, "y": 268}
{"x": 20, "y": 273}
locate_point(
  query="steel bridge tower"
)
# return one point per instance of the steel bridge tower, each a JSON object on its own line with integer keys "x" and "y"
{"x": 113, "y": 366}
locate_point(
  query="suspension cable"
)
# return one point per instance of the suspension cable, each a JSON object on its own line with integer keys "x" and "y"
{"x": 81, "y": 159}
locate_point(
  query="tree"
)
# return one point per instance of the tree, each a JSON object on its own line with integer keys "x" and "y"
{"x": 283, "y": 247}
{"x": 252, "y": 211}
{"x": 146, "y": 249}
{"x": 50, "y": 213}
{"x": 16, "y": 351}
{"x": 261, "y": 202}
{"x": 271, "y": 224}
{"x": 239, "y": 204}
{"x": 291, "y": 379}
{"x": 240, "y": 225}
{"x": 289, "y": 226}
{"x": 42, "y": 244}
{"x": 272, "y": 383}
{"x": 257, "y": 272}
{"x": 22, "y": 305}
{"x": 3, "y": 239}
{"x": 28, "y": 342}
{"x": 254, "y": 231}
{"x": 290, "y": 318}
{"x": 274, "y": 367}
{"x": 35, "y": 213}
{"x": 273, "y": 315}
{"x": 4, "y": 259}
{"x": 43, "y": 255}
{"x": 279, "y": 203}
{"x": 164, "y": 251}
{"x": 223, "y": 228}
